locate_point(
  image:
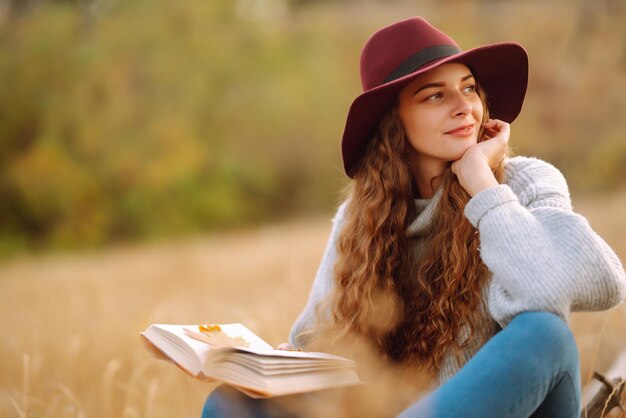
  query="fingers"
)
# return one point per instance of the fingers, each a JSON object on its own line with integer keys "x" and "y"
{"x": 496, "y": 125}
{"x": 493, "y": 146}
{"x": 496, "y": 128}
{"x": 493, "y": 123}
{"x": 285, "y": 346}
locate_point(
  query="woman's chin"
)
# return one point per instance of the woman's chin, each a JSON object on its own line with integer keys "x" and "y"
{"x": 461, "y": 148}
{"x": 457, "y": 155}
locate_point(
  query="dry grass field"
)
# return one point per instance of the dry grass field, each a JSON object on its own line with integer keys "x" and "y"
{"x": 69, "y": 345}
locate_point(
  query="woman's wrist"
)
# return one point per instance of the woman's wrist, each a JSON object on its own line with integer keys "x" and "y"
{"x": 474, "y": 174}
{"x": 482, "y": 180}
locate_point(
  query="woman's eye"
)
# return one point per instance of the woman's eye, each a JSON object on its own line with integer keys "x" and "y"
{"x": 434, "y": 96}
{"x": 470, "y": 89}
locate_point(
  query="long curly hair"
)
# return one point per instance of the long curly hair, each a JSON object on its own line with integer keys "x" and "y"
{"x": 412, "y": 307}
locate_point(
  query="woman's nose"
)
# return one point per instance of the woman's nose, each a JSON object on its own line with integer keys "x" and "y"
{"x": 462, "y": 105}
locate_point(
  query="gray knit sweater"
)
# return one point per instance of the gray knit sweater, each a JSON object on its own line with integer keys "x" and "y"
{"x": 542, "y": 256}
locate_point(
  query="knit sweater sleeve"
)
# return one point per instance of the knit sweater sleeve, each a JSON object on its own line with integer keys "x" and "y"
{"x": 322, "y": 286}
{"x": 541, "y": 254}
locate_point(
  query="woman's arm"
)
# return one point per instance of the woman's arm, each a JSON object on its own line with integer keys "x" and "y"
{"x": 543, "y": 256}
{"x": 322, "y": 286}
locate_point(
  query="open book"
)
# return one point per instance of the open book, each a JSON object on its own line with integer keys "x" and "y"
{"x": 233, "y": 354}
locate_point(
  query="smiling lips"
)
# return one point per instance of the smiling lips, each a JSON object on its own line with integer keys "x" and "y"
{"x": 465, "y": 130}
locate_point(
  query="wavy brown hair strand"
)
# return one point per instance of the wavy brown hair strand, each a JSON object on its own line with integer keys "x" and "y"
{"x": 376, "y": 250}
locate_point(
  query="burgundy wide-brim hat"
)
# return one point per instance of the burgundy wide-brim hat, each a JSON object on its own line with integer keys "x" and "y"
{"x": 398, "y": 53}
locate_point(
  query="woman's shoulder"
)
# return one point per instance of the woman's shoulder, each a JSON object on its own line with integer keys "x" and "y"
{"x": 531, "y": 179}
{"x": 340, "y": 213}
{"x": 338, "y": 219}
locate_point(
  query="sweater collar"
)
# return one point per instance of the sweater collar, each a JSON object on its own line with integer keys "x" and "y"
{"x": 425, "y": 209}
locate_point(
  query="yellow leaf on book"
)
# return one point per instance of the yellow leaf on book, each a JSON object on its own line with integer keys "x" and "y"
{"x": 214, "y": 336}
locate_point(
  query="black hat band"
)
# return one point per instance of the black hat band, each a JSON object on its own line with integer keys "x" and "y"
{"x": 420, "y": 59}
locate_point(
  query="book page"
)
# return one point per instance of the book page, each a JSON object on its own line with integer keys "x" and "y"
{"x": 183, "y": 350}
{"x": 281, "y": 384}
{"x": 242, "y": 337}
{"x": 254, "y": 344}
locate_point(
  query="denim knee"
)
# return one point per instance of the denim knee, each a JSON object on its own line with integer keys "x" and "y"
{"x": 225, "y": 402}
{"x": 553, "y": 333}
{"x": 214, "y": 405}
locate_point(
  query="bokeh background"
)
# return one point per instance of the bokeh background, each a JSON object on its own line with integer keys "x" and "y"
{"x": 178, "y": 161}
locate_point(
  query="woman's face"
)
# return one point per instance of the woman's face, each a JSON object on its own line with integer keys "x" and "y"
{"x": 441, "y": 113}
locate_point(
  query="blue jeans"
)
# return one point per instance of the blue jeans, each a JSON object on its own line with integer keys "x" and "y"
{"x": 529, "y": 369}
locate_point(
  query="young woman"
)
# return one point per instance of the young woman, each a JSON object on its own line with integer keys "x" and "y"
{"x": 447, "y": 255}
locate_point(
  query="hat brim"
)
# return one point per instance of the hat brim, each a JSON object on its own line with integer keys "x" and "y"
{"x": 500, "y": 69}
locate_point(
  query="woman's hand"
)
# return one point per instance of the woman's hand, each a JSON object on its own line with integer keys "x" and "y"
{"x": 285, "y": 346}
{"x": 473, "y": 169}
{"x": 496, "y": 139}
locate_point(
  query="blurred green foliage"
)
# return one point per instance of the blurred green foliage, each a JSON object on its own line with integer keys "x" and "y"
{"x": 131, "y": 120}
{"x": 159, "y": 118}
